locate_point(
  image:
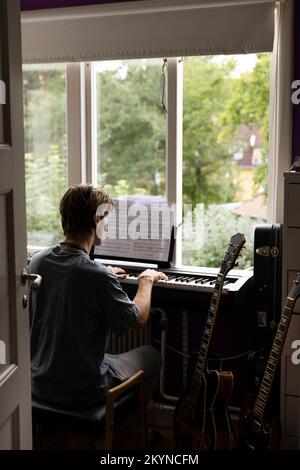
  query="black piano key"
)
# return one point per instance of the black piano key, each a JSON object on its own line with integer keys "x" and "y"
{"x": 190, "y": 278}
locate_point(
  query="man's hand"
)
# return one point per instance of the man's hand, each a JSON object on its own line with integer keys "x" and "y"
{"x": 143, "y": 296}
{"x": 153, "y": 275}
{"x": 119, "y": 272}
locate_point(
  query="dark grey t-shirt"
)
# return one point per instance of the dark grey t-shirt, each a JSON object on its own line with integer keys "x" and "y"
{"x": 78, "y": 302}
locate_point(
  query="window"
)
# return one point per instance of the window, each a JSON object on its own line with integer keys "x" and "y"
{"x": 225, "y": 150}
{"x": 44, "y": 88}
{"x": 232, "y": 142}
{"x": 131, "y": 127}
{"x": 224, "y": 145}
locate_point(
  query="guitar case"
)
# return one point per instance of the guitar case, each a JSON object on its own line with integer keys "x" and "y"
{"x": 267, "y": 281}
{"x": 267, "y": 301}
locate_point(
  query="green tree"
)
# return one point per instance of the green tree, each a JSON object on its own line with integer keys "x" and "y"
{"x": 220, "y": 223}
{"x": 45, "y": 150}
{"x": 131, "y": 128}
{"x": 244, "y": 100}
{"x": 249, "y": 104}
{"x": 208, "y": 166}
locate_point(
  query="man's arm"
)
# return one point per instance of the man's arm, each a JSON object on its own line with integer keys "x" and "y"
{"x": 143, "y": 296}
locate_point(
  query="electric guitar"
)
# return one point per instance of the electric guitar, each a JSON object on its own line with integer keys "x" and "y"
{"x": 257, "y": 430}
{"x": 201, "y": 419}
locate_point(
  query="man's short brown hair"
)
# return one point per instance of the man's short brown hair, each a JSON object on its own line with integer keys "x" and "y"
{"x": 78, "y": 207}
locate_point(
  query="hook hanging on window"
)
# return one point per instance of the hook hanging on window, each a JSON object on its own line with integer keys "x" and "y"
{"x": 163, "y": 86}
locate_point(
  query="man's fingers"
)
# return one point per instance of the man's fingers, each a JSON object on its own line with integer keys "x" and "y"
{"x": 122, "y": 276}
{"x": 116, "y": 270}
{"x": 119, "y": 270}
{"x": 155, "y": 275}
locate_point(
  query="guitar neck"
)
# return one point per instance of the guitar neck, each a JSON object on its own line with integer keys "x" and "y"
{"x": 268, "y": 378}
{"x": 208, "y": 331}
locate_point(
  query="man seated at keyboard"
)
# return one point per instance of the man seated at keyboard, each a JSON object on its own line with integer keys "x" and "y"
{"x": 79, "y": 301}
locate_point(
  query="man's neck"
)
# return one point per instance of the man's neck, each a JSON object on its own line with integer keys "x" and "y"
{"x": 83, "y": 243}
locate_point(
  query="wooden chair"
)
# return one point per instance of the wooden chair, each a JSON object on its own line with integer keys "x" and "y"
{"x": 91, "y": 421}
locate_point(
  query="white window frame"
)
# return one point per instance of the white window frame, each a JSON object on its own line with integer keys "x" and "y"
{"x": 174, "y": 147}
{"x": 75, "y": 140}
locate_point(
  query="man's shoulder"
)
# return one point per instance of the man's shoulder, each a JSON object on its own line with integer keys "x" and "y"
{"x": 38, "y": 256}
{"x": 94, "y": 266}
{"x": 79, "y": 265}
{"x": 101, "y": 273}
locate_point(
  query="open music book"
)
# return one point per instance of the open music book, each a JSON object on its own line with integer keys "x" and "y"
{"x": 140, "y": 229}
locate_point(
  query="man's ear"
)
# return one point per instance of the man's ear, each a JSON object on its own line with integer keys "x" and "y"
{"x": 97, "y": 218}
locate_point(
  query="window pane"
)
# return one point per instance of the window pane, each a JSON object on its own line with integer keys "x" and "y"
{"x": 131, "y": 127}
{"x": 225, "y": 153}
{"x": 44, "y": 88}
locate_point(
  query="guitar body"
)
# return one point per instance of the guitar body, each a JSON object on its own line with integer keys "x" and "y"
{"x": 260, "y": 427}
{"x": 218, "y": 392}
{"x": 189, "y": 419}
{"x": 201, "y": 420}
{"x": 257, "y": 434}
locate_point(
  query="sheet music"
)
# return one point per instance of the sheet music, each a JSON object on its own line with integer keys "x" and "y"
{"x": 140, "y": 228}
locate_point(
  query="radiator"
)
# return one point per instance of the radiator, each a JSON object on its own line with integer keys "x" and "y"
{"x": 135, "y": 338}
{"x": 132, "y": 339}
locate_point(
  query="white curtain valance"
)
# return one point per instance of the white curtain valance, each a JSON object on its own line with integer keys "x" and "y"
{"x": 156, "y": 28}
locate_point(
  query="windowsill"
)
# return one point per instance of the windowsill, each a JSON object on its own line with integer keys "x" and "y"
{"x": 247, "y": 272}
{"x": 234, "y": 272}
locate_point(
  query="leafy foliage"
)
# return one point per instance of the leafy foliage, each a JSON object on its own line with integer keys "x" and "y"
{"x": 132, "y": 129}
{"x": 220, "y": 223}
{"x": 249, "y": 104}
{"x": 45, "y": 151}
{"x": 208, "y": 165}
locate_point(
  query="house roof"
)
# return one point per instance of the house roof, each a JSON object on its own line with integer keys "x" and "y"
{"x": 255, "y": 208}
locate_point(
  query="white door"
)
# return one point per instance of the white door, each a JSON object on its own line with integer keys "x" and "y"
{"x": 15, "y": 403}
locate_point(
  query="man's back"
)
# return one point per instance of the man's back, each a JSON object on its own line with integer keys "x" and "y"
{"x": 70, "y": 317}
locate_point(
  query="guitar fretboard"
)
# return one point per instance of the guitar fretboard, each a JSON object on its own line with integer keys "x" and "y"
{"x": 268, "y": 378}
{"x": 208, "y": 330}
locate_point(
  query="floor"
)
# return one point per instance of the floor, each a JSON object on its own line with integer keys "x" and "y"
{"x": 159, "y": 437}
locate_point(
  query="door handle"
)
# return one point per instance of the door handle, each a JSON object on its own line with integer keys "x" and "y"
{"x": 36, "y": 279}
